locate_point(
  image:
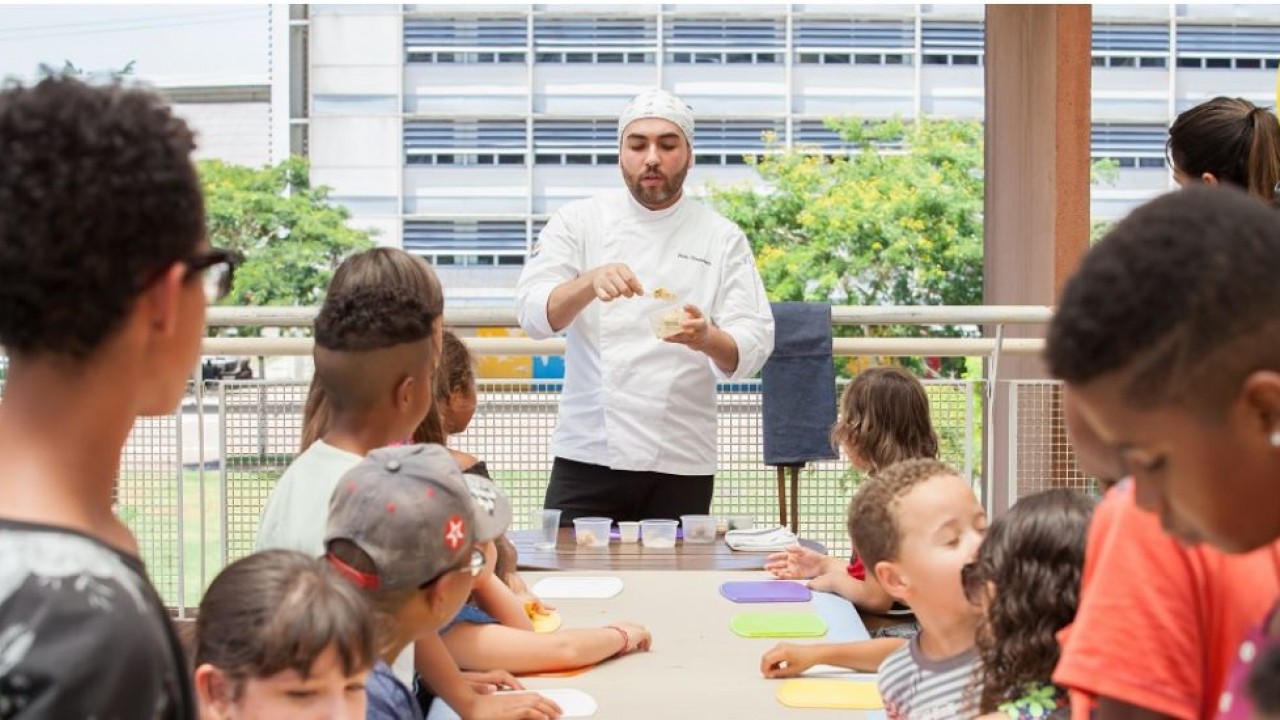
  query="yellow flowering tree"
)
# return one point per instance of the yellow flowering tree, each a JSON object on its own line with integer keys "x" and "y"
{"x": 895, "y": 221}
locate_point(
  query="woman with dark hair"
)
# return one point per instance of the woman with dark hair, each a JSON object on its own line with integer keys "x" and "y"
{"x": 1027, "y": 580}
{"x": 1227, "y": 140}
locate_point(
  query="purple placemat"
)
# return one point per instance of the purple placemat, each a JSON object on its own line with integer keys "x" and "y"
{"x": 761, "y": 591}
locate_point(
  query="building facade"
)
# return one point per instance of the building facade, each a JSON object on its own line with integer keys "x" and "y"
{"x": 454, "y": 131}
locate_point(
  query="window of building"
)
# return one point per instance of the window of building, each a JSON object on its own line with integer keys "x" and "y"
{"x": 952, "y": 43}
{"x": 464, "y": 142}
{"x": 725, "y": 41}
{"x": 466, "y": 40}
{"x": 581, "y": 38}
{"x": 483, "y": 243}
{"x": 1129, "y": 145}
{"x": 1228, "y": 47}
{"x": 576, "y": 142}
{"x": 728, "y": 142}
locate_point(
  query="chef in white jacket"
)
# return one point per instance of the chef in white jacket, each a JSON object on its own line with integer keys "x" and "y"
{"x": 636, "y": 434}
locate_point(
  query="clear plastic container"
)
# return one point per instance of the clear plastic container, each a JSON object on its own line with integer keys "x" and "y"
{"x": 740, "y": 522}
{"x": 658, "y": 534}
{"x": 592, "y": 532}
{"x": 628, "y": 532}
{"x": 666, "y": 316}
{"x": 699, "y": 529}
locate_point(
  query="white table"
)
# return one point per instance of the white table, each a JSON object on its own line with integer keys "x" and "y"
{"x": 698, "y": 667}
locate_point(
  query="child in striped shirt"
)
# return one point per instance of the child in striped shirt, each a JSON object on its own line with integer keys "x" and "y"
{"x": 916, "y": 524}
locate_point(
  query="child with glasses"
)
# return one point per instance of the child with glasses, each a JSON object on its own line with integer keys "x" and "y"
{"x": 281, "y": 634}
{"x": 1026, "y": 580}
{"x": 404, "y": 527}
{"x": 104, "y": 269}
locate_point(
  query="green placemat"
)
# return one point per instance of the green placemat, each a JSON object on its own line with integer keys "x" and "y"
{"x": 778, "y": 624}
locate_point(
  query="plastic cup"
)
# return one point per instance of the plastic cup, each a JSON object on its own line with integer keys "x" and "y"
{"x": 699, "y": 529}
{"x": 592, "y": 532}
{"x": 547, "y": 523}
{"x": 664, "y": 320}
{"x": 658, "y": 534}
{"x": 628, "y": 532}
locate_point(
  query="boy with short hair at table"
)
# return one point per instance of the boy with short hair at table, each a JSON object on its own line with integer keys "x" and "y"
{"x": 919, "y": 524}
{"x": 375, "y": 352}
{"x": 916, "y": 524}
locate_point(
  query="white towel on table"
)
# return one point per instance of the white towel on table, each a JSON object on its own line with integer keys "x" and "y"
{"x": 761, "y": 540}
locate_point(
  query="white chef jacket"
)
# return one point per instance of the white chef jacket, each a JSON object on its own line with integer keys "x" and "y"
{"x": 632, "y": 401}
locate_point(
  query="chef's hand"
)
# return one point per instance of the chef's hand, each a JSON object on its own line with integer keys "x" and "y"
{"x": 613, "y": 281}
{"x": 695, "y": 330}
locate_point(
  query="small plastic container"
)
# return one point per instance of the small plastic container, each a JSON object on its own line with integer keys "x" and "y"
{"x": 591, "y": 532}
{"x": 699, "y": 529}
{"x": 658, "y": 534}
{"x": 628, "y": 531}
{"x": 740, "y": 522}
{"x": 665, "y": 318}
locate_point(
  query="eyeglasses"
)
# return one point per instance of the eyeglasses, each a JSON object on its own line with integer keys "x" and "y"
{"x": 474, "y": 566}
{"x": 216, "y": 268}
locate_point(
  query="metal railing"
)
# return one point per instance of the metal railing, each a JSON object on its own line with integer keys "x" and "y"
{"x": 192, "y": 484}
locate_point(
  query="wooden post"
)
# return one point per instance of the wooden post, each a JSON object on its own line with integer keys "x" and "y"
{"x": 1037, "y": 192}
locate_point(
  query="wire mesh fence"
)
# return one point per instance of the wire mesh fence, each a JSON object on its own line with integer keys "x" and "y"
{"x": 1038, "y": 444}
{"x": 192, "y": 484}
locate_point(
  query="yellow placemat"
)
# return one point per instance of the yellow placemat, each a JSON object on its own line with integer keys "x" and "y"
{"x": 830, "y": 693}
{"x": 778, "y": 624}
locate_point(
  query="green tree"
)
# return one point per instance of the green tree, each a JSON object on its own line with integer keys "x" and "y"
{"x": 896, "y": 222}
{"x": 292, "y": 237}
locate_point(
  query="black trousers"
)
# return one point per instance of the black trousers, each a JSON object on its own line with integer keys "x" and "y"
{"x": 584, "y": 490}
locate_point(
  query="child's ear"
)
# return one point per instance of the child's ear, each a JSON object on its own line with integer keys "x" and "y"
{"x": 891, "y": 578}
{"x": 404, "y": 392}
{"x": 162, "y": 299}
{"x": 214, "y": 690}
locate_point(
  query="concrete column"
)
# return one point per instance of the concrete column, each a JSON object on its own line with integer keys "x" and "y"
{"x": 1037, "y": 208}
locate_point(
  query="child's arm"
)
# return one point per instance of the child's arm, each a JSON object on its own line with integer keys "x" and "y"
{"x": 789, "y": 660}
{"x": 439, "y": 671}
{"x": 497, "y": 599}
{"x": 484, "y": 647}
{"x": 867, "y": 594}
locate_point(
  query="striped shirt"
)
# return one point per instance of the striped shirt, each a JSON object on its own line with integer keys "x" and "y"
{"x": 917, "y": 688}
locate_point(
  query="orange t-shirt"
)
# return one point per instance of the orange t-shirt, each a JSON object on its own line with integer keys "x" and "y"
{"x": 1159, "y": 623}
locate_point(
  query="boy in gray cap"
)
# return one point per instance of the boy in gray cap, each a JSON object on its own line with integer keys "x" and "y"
{"x": 403, "y": 527}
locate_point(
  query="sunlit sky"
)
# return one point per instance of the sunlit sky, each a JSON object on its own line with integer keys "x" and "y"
{"x": 190, "y": 43}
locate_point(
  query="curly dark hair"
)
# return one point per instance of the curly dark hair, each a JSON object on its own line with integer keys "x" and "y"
{"x": 456, "y": 373}
{"x": 1033, "y": 555}
{"x": 373, "y": 318}
{"x": 98, "y": 194}
{"x": 1264, "y": 683}
{"x": 873, "y": 512}
{"x": 884, "y": 417}
{"x": 1181, "y": 295}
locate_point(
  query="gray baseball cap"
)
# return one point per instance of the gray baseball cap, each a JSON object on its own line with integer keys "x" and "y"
{"x": 410, "y": 510}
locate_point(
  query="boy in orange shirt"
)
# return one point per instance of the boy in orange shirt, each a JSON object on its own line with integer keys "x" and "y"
{"x": 1159, "y": 623}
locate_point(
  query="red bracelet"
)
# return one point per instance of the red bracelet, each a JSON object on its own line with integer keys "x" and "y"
{"x": 626, "y": 640}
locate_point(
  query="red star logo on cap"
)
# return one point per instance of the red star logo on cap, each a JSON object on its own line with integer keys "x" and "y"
{"x": 455, "y": 532}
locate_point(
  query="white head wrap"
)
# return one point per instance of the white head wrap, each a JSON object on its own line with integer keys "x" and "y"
{"x": 658, "y": 103}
